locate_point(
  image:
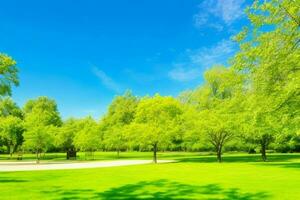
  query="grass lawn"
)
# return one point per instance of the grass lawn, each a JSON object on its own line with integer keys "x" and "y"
{"x": 194, "y": 176}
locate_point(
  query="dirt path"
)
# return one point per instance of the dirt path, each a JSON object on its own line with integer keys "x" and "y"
{"x": 32, "y": 166}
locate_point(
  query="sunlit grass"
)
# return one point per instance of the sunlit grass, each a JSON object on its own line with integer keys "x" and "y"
{"x": 240, "y": 176}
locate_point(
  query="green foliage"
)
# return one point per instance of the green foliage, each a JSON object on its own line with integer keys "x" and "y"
{"x": 156, "y": 121}
{"x": 88, "y": 137}
{"x": 11, "y": 124}
{"x": 121, "y": 113}
{"x": 115, "y": 138}
{"x": 42, "y": 111}
{"x": 39, "y": 138}
{"x": 8, "y": 74}
{"x": 218, "y": 103}
{"x": 11, "y": 130}
{"x": 41, "y": 121}
{"x": 122, "y": 109}
{"x": 159, "y": 116}
{"x": 66, "y": 134}
{"x": 270, "y": 61}
{"x": 9, "y": 108}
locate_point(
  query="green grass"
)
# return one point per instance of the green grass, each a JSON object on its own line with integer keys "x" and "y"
{"x": 194, "y": 176}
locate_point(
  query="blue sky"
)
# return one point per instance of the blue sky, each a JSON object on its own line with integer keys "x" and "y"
{"x": 83, "y": 53}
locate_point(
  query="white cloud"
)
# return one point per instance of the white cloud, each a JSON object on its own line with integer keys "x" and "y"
{"x": 107, "y": 81}
{"x": 200, "y": 59}
{"x": 229, "y": 10}
{"x": 225, "y": 12}
{"x": 217, "y": 54}
{"x": 216, "y": 26}
{"x": 183, "y": 73}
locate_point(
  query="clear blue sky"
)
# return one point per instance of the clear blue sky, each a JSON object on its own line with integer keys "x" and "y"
{"x": 82, "y": 53}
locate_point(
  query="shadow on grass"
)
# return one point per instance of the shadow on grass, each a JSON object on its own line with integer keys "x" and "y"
{"x": 160, "y": 189}
{"x": 295, "y": 165}
{"x": 241, "y": 158}
{"x": 4, "y": 180}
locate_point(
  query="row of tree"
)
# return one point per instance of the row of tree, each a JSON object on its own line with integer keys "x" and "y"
{"x": 252, "y": 104}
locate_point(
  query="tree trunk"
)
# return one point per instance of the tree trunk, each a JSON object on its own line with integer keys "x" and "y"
{"x": 154, "y": 153}
{"x": 263, "y": 151}
{"x": 37, "y": 157}
{"x": 219, "y": 154}
{"x": 11, "y": 151}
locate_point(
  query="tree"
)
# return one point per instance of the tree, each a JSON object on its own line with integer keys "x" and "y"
{"x": 115, "y": 138}
{"x": 44, "y": 110}
{"x": 8, "y": 74}
{"x": 121, "y": 113}
{"x": 11, "y": 130}
{"x": 9, "y": 108}
{"x": 218, "y": 129}
{"x": 259, "y": 125}
{"x": 89, "y": 136}
{"x": 155, "y": 120}
{"x": 66, "y": 135}
{"x": 41, "y": 121}
{"x": 39, "y": 138}
{"x": 219, "y": 102}
{"x": 11, "y": 124}
{"x": 269, "y": 57}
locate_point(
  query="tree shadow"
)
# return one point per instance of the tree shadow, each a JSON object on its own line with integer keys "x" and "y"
{"x": 295, "y": 165}
{"x": 10, "y": 180}
{"x": 159, "y": 189}
{"x": 239, "y": 158}
{"x": 64, "y": 194}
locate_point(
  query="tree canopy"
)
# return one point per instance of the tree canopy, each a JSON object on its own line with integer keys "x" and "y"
{"x": 9, "y": 74}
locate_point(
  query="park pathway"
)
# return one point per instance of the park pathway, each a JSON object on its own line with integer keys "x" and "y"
{"x": 32, "y": 166}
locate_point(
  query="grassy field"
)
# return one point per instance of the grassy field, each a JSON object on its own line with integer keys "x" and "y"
{"x": 194, "y": 176}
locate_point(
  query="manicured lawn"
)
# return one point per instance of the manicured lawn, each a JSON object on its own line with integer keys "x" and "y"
{"x": 195, "y": 176}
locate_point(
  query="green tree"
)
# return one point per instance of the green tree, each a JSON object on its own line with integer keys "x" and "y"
{"x": 219, "y": 103}
{"x": 8, "y": 74}
{"x": 269, "y": 57}
{"x": 39, "y": 138}
{"x": 156, "y": 121}
{"x": 41, "y": 121}
{"x": 11, "y": 130}
{"x": 11, "y": 124}
{"x": 89, "y": 136}
{"x": 115, "y": 138}
{"x": 66, "y": 135}
{"x": 9, "y": 108}
{"x": 121, "y": 113}
{"x": 259, "y": 126}
{"x": 44, "y": 110}
{"x": 218, "y": 128}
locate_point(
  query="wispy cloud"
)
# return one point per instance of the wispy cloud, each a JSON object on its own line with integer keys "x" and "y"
{"x": 106, "y": 80}
{"x": 217, "y": 54}
{"x": 141, "y": 77}
{"x": 183, "y": 73}
{"x": 218, "y": 13}
{"x": 200, "y": 59}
